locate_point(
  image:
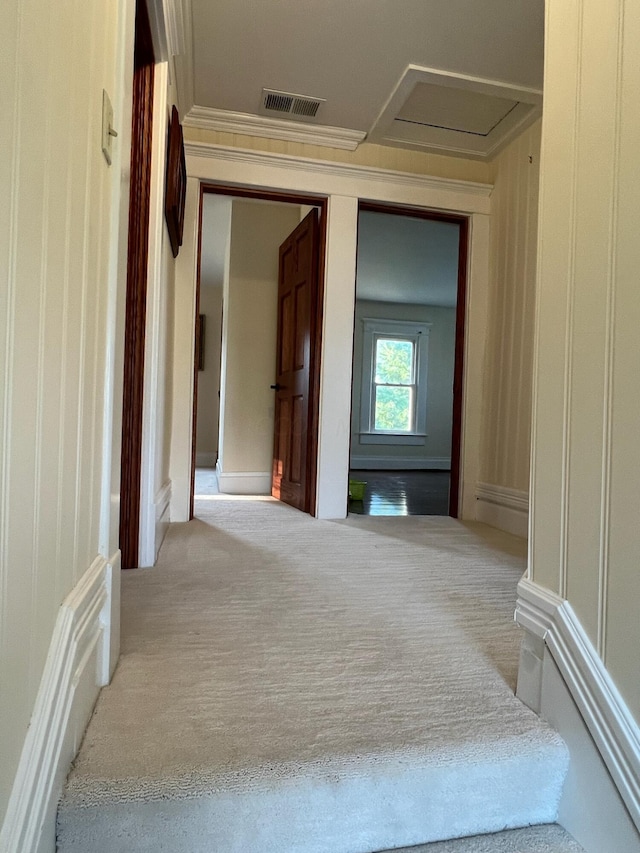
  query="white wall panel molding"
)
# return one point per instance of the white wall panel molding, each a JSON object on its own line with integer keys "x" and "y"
{"x": 467, "y": 196}
{"x": 504, "y": 508}
{"x": 172, "y": 31}
{"x": 607, "y": 717}
{"x": 503, "y": 496}
{"x": 77, "y": 665}
{"x": 509, "y": 355}
{"x": 433, "y": 463}
{"x": 610, "y": 338}
{"x": 586, "y": 457}
{"x": 590, "y": 808}
{"x": 477, "y": 320}
{"x": 226, "y": 121}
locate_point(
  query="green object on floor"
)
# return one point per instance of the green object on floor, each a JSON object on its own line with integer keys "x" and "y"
{"x": 356, "y": 490}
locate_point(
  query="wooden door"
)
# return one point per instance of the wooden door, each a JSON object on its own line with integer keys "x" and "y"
{"x": 297, "y": 299}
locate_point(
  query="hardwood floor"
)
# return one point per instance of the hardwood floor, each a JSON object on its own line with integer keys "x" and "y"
{"x": 386, "y": 492}
{"x": 402, "y": 493}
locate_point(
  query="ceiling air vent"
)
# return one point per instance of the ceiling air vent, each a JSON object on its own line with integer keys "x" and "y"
{"x": 285, "y": 103}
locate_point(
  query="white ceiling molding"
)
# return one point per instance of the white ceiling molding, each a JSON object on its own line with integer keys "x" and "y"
{"x": 226, "y": 121}
{"x": 172, "y": 33}
{"x": 446, "y": 113}
{"x": 158, "y": 25}
{"x": 181, "y": 45}
{"x": 341, "y": 170}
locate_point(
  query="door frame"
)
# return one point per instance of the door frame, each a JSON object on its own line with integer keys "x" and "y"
{"x": 321, "y": 203}
{"x": 460, "y": 327}
{"x": 136, "y": 295}
{"x": 344, "y": 184}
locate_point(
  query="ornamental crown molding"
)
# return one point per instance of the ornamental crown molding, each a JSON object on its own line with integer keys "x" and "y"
{"x": 210, "y": 150}
{"x": 225, "y": 121}
{"x": 172, "y": 32}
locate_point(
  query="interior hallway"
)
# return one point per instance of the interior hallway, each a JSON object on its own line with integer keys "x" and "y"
{"x": 269, "y": 651}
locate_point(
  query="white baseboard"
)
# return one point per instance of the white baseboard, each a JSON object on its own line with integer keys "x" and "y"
{"x": 244, "y": 482}
{"x": 394, "y": 463}
{"x": 608, "y": 720}
{"x": 162, "y": 505}
{"x": 206, "y": 460}
{"x": 504, "y": 508}
{"x": 78, "y": 664}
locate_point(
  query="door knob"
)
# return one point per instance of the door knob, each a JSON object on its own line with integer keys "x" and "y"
{"x": 276, "y": 387}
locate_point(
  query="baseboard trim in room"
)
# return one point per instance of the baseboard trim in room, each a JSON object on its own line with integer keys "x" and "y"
{"x": 503, "y": 507}
{"x": 206, "y": 460}
{"x": 613, "y": 731}
{"x": 392, "y": 463}
{"x": 78, "y": 664}
{"x": 244, "y": 482}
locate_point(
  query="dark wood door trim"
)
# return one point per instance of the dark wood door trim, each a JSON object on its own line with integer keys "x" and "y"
{"x": 461, "y": 304}
{"x": 316, "y": 331}
{"x": 458, "y": 370}
{"x": 136, "y": 297}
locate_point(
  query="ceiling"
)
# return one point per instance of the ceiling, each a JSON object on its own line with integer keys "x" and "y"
{"x": 459, "y": 76}
{"x": 408, "y": 260}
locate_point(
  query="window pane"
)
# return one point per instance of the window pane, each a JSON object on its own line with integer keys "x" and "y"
{"x": 393, "y": 408}
{"x": 394, "y": 361}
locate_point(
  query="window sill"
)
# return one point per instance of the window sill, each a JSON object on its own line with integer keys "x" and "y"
{"x": 398, "y": 438}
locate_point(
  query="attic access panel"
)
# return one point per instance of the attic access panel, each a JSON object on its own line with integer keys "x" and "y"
{"x": 449, "y": 113}
{"x": 454, "y": 109}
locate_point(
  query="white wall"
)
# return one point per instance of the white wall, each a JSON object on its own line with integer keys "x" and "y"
{"x": 214, "y": 279}
{"x": 62, "y": 262}
{"x": 183, "y": 356}
{"x": 436, "y": 448}
{"x": 155, "y": 493}
{"x": 249, "y": 338}
{"x": 503, "y": 479}
{"x": 506, "y": 426}
{"x": 586, "y": 453}
{"x": 209, "y": 378}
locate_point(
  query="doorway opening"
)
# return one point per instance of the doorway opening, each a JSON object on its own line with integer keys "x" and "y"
{"x": 248, "y": 241}
{"x": 407, "y": 362}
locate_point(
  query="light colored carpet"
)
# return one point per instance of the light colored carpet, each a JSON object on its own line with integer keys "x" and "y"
{"x": 534, "y": 839}
{"x": 288, "y": 684}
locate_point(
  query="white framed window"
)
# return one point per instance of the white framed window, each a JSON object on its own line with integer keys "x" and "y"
{"x": 393, "y": 406}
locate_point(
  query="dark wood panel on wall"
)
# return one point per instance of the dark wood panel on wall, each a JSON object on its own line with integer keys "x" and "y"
{"x": 458, "y": 370}
{"x": 136, "y": 299}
